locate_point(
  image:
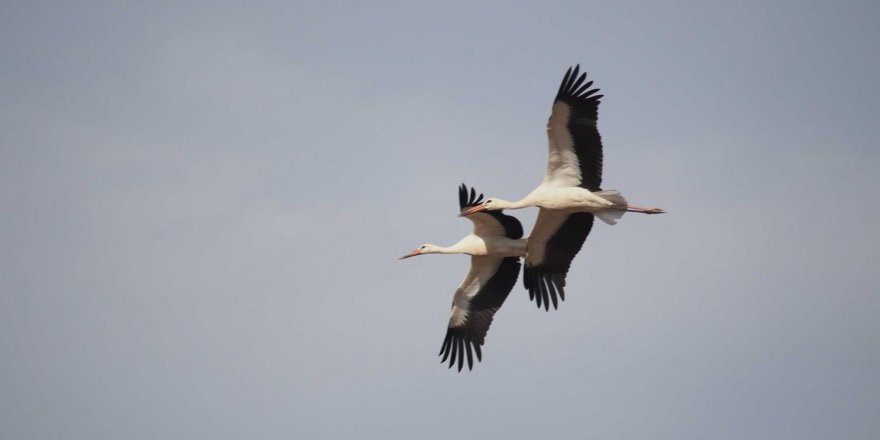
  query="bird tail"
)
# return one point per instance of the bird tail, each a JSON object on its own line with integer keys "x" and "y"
{"x": 615, "y": 212}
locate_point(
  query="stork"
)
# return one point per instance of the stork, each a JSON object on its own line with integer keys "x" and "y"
{"x": 570, "y": 195}
{"x": 495, "y": 247}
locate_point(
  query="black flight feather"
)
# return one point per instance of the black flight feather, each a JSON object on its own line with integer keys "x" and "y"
{"x": 584, "y": 109}
{"x": 464, "y": 340}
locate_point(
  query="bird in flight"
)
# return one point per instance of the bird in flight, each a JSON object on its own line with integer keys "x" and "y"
{"x": 495, "y": 247}
{"x": 570, "y": 195}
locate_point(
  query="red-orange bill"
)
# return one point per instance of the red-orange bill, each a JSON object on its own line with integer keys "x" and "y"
{"x": 411, "y": 254}
{"x": 478, "y": 208}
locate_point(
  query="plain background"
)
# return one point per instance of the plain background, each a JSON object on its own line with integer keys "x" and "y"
{"x": 203, "y": 203}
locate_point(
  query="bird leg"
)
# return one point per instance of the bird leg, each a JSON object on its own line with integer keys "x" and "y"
{"x": 643, "y": 210}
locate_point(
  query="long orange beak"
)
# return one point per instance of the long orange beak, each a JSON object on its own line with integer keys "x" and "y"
{"x": 411, "y": 254}
{"x": 478, "y": 208}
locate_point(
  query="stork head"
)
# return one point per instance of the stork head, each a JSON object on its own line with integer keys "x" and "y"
{"x": 426, "y": 248}
{"x": 493, "y": 204}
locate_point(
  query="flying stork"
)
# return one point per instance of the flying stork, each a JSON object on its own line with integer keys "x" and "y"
{"x": 495, "y": 247}
{"x": 570, "y": 195}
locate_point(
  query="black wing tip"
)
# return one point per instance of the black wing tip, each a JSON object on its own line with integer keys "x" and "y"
{"x": 468, "y": 199}
{"x": 465, "y": 340}
{"x": 546, "y": 279}
{"x": 456, "y": 348}
{"x": 544, "y": 287}
{"x": 572, "y": 88}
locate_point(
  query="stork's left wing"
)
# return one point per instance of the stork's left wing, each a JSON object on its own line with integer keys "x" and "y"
{"x": 480, "y": 295}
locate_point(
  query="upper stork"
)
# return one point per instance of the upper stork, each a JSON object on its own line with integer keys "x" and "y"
{"x": 495, "y": 247}
{"x": 570, "y": 195}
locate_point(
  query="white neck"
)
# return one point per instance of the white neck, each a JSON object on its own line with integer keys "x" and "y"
{"x": 434, "y": 249}
{"x": 469, "y": 245}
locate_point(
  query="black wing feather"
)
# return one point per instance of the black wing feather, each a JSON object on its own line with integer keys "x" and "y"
{"x": 546, "y": 281}
{"x": 512, "y": 227}
{"x": 584, "y": 113}
{"x": 465, "y": 200}
{"x": 481, "y": 309}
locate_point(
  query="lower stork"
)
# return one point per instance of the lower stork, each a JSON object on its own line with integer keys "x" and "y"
{"x": 495, "y": 247}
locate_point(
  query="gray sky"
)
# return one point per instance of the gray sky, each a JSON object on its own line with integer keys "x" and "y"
{"x": 202, "y": 206}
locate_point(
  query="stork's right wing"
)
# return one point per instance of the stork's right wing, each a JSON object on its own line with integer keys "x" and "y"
{"x": 555, "y": 240}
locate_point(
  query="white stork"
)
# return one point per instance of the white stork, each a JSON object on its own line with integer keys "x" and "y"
{"x": 495, "y": 247}
{"x": 570, "y": 194}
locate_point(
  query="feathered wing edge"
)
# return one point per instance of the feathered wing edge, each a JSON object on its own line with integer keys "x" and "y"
{"x": 466, "y": 199}
{"x": 545, "y": 280}
{"x": 464, "y": 340}
{"x": 580, "y": 125}
{"x": 574, "y": 89}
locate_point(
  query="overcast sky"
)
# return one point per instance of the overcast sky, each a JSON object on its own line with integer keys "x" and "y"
{"x": 203, "y": 203}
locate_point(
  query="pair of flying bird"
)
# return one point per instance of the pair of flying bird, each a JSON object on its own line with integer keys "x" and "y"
{"x": 569, "y": 198}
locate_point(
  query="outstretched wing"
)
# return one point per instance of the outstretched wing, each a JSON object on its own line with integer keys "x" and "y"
{"x": 556, "y": 239}
{"x": 575, "y": 147}
{"x": 476, "y": 301}
{"x": 488, "y": 223}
